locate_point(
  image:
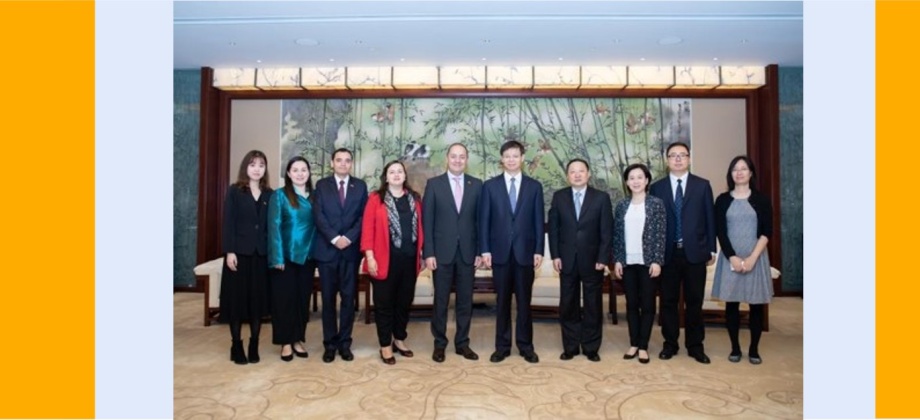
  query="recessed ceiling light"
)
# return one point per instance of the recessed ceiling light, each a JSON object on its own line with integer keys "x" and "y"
{"x": 483, "y": 59}
{"x": 307, "y": 42}
{"x": 642, "y": 59}
{"x": 331, "y": 60}
{"x": 402, "y": 59}
{"x": 258, "y": 61}
{"x": 670, "y": 40}
{"x": 560, "y": 58}
{"x": 715, "y": 58}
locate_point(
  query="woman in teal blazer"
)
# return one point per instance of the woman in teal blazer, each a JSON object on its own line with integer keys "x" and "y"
{"x": 290, "y": 243}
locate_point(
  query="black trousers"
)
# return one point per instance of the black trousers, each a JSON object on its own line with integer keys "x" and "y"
{"x": 509, "y": 279}
{"x": 640, "y": 304}
{"x": 461, "y": 277}
{"x": 392, "y": 298}
{"x": 291, "y": 291}
{"x": 338, "y": 277}
{"x": 581, "y": 327}
{"x": 679, "y": 272}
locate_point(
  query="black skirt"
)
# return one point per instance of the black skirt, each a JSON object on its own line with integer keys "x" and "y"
{"x": 244, "y": 293}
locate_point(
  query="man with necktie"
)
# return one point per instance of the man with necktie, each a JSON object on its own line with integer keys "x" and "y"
{"x": 580, "y": 243}
{"x": 511, "y": 241}
{"x": 691, "y": 246}
{"x": 451, "y": 249}
{"x": 338, "y": 212}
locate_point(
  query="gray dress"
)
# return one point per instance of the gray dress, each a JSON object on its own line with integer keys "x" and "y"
{"x": 755, "y": 286}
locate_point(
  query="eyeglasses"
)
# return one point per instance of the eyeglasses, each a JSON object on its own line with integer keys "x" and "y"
{"x": 678, "y": 156}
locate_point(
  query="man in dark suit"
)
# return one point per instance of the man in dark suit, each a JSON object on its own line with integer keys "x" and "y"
{"x": 511, "y": 241}
{"x": 450, "y": 249}
{"x": 580, "y": 243}
{"x": 691, "y": 246}
{"x": 338, "y": 210}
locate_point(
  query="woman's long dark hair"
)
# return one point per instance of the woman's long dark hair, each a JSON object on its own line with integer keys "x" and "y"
{"x": 242, "y": 178}
{"x": 289, "y": 185}
{"x": 382, "y": 190}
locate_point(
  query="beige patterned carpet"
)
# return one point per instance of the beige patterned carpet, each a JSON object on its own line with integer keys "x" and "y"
{"x": 208, "y": 386}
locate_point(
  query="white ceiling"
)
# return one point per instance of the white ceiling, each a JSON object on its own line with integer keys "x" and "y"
{"x": 429, "y": 33}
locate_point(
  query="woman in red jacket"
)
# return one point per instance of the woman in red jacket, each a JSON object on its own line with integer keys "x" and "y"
{"x": 391, "y": 239}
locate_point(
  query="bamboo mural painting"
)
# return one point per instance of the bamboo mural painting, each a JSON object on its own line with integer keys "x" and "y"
{"x": 609, "y": 133}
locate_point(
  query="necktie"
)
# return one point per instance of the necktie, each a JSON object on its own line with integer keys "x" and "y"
{"x": 678, "y": 206}
{"x": 458, "y": 193}
{"x": 577, "y": 205}
{"x": 512, "y": 195}
{"x": 342, "y": 193}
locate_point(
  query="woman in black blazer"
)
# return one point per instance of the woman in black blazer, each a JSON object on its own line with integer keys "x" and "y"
{"x": 638, "y": 249}
{"x": 244, "y": 282}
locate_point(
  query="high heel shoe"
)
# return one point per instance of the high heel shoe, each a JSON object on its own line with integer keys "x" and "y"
{"x": 390, "y": 361}
{"x": 403, "y": 353}
{"x": 289, "y": 357}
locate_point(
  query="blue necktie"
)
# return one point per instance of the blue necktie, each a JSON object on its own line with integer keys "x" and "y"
{"x": 512, "y": 195}
{"x": 678, "y": 206}
{"x": 577, "y": 205}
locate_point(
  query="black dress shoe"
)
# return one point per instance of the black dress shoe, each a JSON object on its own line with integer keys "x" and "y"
{"x": 627, "y": 356}
{"x": 289, "y": 357}
{"x": 498, "y": 356}
{"x": 390, "y": 361}
{"x": 594, "y": 357}
{"x": 253, "y": 354}
{"x": 347, "y": 355}
{"x": 303, "y": 353}
{"x": 700, "y": 357}
{"x": 667, "y": 354}
{"x": 644, "y": 361}
{"x": 567, "y": 356}
{"x": 438, "y": 355}
{"x": 530, "y": 356}
{"x": 467, "y": 353}
{"x": 403, "y": 353}
{"x": 329, "y": 355}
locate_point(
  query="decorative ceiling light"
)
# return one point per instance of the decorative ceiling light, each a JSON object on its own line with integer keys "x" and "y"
{"x": 415, "y": 77}
{"x": 743, "y": 77}
{"x": 369, "y": 77}
{"x": 462, "y": 77}
{"x": 556, "y": 77}
{"x": 509, "y": 77}
{"x": 234, "y": 79}
{"x": 650, "y": 77}
{"x": 688, "y": 77}
{"x": 603, "y": 77}
{"x": 322, "y": 78}
{"x": 278, "y": 79}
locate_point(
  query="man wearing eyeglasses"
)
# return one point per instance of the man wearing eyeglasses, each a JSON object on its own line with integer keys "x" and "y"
{"x": 691, "y": 246}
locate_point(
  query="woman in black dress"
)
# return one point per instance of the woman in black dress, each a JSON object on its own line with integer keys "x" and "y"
{"x": 244, "y": 282}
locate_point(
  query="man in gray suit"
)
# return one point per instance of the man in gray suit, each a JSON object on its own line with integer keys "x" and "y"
{"x": 450, "y": 224}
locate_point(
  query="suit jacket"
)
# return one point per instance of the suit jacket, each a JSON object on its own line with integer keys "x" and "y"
{"x": 588, "y": 237}
{"x": 375, "y": 235}
{"x": 499, "y": 228}
{"x": 654, "y": 232}
{"x": 697, "y": 218}
{"x": 244, "y": 222}
{"x": 291, "y": 232}
{"x": 445, "y": 228}
{"x": 333, "y": 219}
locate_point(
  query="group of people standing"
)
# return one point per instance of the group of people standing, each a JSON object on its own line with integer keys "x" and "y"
{"x": 658, "y": 240}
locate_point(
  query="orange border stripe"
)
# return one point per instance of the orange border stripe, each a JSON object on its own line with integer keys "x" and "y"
{"x": 897, "y": 230}
{"x": 48, "y": 247}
